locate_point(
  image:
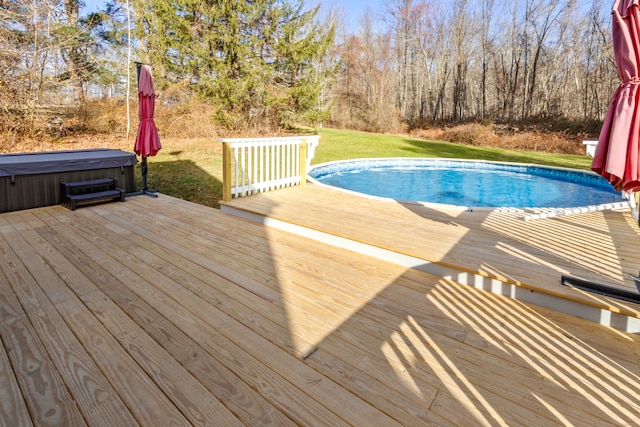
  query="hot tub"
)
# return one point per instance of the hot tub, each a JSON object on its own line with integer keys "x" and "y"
{"x": 31, "y": 180}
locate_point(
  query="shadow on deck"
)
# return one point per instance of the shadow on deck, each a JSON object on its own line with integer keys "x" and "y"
{"x": 160, "y": 311}
{"x": 492, "y": 250}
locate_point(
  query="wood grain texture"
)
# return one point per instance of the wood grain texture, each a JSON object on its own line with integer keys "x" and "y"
{"x": 13, "y": 407}
{"x": 597, "y": 246}
{"x": 159, "y": 311}
{"x": 25, "y": 336}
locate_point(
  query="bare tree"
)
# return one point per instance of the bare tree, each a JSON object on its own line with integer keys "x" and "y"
{"x": 44, "y": 50}
{"x": 410, "y": 29}
{"x": 486, "y": 42}
{"x": 595, "y": 73}
{"x": 25, "y": 43}
{"x": 461, "y": 37}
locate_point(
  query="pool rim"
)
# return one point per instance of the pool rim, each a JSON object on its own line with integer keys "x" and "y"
{"x": 444, "y": 205}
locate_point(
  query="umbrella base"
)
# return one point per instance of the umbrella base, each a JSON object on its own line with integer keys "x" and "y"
{"x": 601, "y": 289}
{"x": 145, "y": 190}
{"x": 150, "y": 193}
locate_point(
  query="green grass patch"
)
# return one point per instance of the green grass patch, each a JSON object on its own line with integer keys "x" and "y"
{"x": 345, "y": 145}
{"x": 190, "y": 169}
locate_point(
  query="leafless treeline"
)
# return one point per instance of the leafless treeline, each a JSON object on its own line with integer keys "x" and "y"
{"x": 416, "y": 62}
{"x": 502, "y": 60}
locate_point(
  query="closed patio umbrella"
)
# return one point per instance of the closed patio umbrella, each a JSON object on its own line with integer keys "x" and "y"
{"x": 147, "y": 140}
{"x": 617, "y": 153}
{"x": 617, "y": 156}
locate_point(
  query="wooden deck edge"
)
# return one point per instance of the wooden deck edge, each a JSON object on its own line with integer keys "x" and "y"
{"x": 604, "y": 314}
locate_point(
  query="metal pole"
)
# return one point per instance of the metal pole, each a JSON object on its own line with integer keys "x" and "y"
{"x": 144, "y": 175}
{"x": 138, "y": 66}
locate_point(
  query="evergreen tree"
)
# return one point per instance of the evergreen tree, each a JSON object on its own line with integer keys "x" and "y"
{"x": 258, "y": 61}
{"x": 77, "y": 46}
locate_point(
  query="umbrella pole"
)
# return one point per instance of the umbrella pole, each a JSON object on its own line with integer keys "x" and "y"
{"x": 144, "y": 175}
{"x": 145, "y": 189}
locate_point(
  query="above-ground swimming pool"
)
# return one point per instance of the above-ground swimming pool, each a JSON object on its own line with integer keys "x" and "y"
{"x": 467, "y": 183}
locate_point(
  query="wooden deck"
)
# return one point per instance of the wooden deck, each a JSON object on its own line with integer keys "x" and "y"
{"x": 603, "y": 247}
{"x": 161, "y": 312}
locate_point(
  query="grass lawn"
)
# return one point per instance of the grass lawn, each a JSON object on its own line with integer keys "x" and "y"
{"x": 346, "y": 144}
{"x": 191, "y": 169}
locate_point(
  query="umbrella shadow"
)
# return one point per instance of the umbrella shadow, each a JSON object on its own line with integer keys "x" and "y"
{"x": 466, "y": 354}
{"x": 621, "y": 262}
{"x": 425, "y": 350}
{"x": 535, "y": 244}
{"x": 471, "y": 358}
{"x": 586, "y": 252}
{"x": 416, "y": 346}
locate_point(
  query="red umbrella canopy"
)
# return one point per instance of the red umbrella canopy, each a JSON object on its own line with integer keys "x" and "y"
{"x": 147, "y": 139}
{"x": 616, "y": 157}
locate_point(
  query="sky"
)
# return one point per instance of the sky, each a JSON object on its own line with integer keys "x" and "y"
{"x": 352, "y": 9}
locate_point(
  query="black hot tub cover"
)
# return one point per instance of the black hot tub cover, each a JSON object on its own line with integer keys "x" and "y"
{"x": 63, "y": 161}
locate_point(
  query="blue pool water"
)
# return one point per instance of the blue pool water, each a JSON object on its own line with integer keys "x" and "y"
{"x": 468, "y": 183}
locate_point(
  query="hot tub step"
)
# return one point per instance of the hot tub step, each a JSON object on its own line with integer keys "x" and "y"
{"x": 84, "y": 192}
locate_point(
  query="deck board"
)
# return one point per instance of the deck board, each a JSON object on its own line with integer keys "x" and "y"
{"x": 13, "y": 409}
{"x": 156, "y": 311}
{"x": 136, "y": 295}
{"x": 598, "y": 246}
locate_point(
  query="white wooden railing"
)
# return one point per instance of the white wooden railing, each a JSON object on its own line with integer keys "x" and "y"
{"x": 255, "y": 165}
